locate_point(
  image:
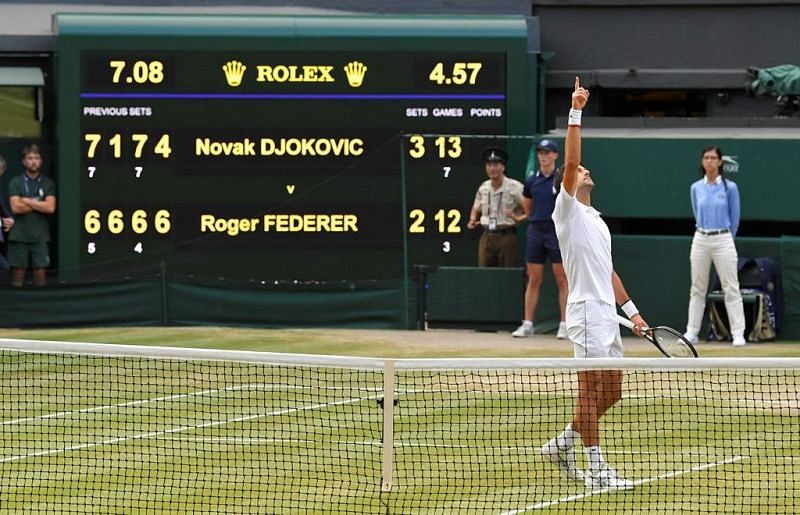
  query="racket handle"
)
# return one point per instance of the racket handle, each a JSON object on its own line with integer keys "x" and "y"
{"x": 624, "y": 321}
{"x": 627, "y": 323}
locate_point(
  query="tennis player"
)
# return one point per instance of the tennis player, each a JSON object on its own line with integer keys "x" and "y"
{"x": 592, "y": 326}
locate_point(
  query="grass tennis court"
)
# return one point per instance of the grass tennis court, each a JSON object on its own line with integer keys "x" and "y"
{"x": 375, "y": 343}
{"x": 182, "y": 437}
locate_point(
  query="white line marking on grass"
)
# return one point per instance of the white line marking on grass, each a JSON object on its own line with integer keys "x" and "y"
{"x": 63, "y": 414}
{"x": 166, "y": 398}
{"x": 154, "y": 434}
{"x": 668, "y": 475}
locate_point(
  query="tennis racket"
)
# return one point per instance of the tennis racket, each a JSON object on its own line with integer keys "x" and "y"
{"x": 670, "y": 342}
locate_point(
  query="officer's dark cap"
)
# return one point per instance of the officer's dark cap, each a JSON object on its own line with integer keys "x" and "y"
{"x": 495, "y": 154}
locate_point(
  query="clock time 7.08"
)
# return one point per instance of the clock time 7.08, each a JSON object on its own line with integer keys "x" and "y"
{"x": 141, "y": 72}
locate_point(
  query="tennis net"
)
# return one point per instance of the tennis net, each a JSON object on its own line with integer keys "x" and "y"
{"x": 94, "y": 428}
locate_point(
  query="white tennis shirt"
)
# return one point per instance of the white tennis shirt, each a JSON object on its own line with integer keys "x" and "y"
{"x": 585, "y": 243}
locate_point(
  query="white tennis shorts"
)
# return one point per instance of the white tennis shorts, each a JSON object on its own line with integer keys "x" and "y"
{"x": 593, "y": 328}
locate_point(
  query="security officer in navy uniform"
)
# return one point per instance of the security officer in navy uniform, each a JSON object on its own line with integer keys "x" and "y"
{"x": 497, "y": 205}
{"x": 540, "y": 192}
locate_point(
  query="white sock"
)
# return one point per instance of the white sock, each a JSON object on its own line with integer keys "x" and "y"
{"x": 594, "y": 456}
{"x": 527, "y": 323}
{"x": 566, "y": 440}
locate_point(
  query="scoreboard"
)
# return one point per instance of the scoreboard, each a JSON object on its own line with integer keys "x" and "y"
{"x": 279, "y": 149}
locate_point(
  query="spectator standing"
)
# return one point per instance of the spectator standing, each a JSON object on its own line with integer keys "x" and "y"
{"x": 33, "y": 200}
{"x": 497, "y": 205}
{"x": 715, "y": 203}
{"x": 539, "y": 199}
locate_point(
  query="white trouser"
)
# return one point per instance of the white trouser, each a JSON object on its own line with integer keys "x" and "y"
{"x": 720, "y": 249}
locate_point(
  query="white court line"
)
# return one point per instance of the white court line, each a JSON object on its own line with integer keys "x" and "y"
{"x": 668, "y": 475}
{"x": 62, "y": 414}
{"x": 265, "y": 387}
{"x": 154, "y": 434}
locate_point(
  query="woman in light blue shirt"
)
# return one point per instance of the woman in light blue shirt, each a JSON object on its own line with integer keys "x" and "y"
{"x": 715, "y": 203}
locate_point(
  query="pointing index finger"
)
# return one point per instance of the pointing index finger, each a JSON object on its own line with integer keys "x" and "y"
{"x": 577, "y": 83}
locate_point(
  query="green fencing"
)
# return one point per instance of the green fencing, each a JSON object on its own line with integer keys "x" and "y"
{"x": 650, "y": 178}
{"x": 168, "y": 301}
{"x": 655, "y": 270}
{"x": 471, "y": 297}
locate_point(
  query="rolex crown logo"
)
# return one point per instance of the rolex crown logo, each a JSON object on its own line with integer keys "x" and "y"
{"x": 355, "y": 72}
{"x": 234, "y": 71}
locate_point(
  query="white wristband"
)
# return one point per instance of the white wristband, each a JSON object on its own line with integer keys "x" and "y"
{"x": 575, "y": 117}
{"x": 629, "y": 308}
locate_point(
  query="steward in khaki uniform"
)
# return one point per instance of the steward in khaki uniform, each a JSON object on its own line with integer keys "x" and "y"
{"x": 497, "y": 204}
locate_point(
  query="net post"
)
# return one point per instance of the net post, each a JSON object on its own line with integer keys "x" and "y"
{"x": 388, "y": 424}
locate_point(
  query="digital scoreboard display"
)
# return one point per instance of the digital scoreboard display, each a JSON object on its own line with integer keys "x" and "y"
{"x": 220, "y": 160}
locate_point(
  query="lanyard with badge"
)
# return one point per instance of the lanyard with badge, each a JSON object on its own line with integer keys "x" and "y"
{"x": 38, "y": 184}
{"x": 493, "y": 219}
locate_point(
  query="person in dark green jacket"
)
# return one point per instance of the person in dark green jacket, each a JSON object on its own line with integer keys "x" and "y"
{"x": 33, "y": 200}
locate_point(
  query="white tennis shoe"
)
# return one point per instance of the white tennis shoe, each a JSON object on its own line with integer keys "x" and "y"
{"x": 562, "y": 331}
{"x": 690, "y": 337}
{"x": 606, "y": 477}
{"x": 523, "y": 331}
{"x": 564, "y": 459}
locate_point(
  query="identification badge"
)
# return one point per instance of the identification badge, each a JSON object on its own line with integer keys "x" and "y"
{"x": 493, "y": 224}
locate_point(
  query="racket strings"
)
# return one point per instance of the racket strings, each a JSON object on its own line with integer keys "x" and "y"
{"x": 672, "y": 343}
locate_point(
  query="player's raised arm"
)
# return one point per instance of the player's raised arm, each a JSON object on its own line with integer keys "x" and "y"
{"x": 572, "y": 147}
